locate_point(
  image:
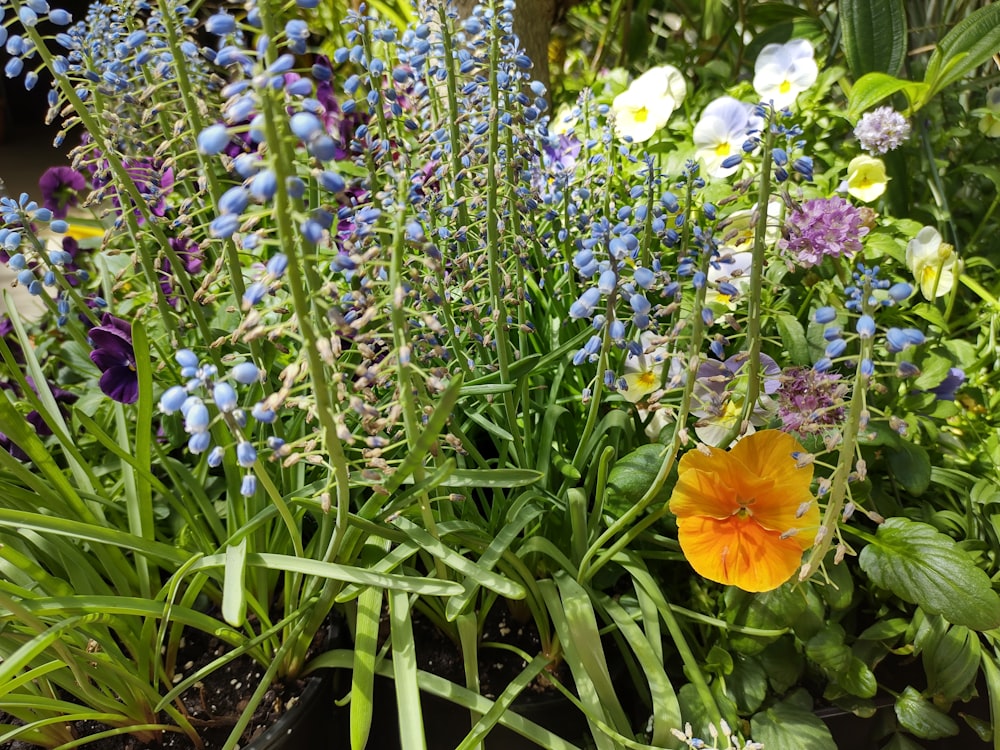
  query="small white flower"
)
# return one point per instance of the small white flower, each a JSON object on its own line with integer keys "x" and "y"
{"x": 647, "y": 104}
{"x": 783, "y": 71}
{"x": 721, "y": 132}
{"x": 932, "y": 263}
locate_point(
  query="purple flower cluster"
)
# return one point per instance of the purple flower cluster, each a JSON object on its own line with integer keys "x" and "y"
{"x": 882, "y": 130}
{"x": 823, "y": 227}
{"x": 809, "y": 401}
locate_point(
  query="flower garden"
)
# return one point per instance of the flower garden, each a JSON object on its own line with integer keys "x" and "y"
{"x": 659, "y": 376}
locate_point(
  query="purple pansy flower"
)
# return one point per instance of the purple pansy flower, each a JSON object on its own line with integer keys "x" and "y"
{"x": 189, "y": 253}
{"x": 946, "y": 389}
{"x": 114, "y": 355}
{"x": 60, "y": 187}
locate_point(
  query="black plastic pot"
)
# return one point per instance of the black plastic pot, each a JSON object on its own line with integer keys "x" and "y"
{"x": 306, "y": 723}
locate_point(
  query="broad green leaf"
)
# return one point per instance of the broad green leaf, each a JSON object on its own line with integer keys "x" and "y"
{"x": 793, "y": 338}
{"x": 873, "y": 35}
{"x": 791, "y": 725}
{"x": 493, "y": 477}
{"x": 911, "y": 467}
{"x": 747, "y": 684}
{"x": 872, "y": 88}
{"x": 633, "y": 475}
{"x": 922, "y": 566}
{"x": 969, "y": 44}
{"x": 920, "y": 717}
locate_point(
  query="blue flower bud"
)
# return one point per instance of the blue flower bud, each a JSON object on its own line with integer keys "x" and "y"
{"x": 865, "y": 326}
{"x": 197, "y": 418}
{"x": 246, "y": 454}
{"x": 220, "y": 24}
{"x": 224, "y": 396}
{"x": 823, "y": 364}
{"x": 639, "y": 304}
{"x": 246, "y": 373}
{"x": 262, "y": 414}
{"x": 804, "y": 166}
{"x": 59, "y": 226}
{"x": 248, "y": 486}
{"x": 26, "y": 277}
{"x": 900, "y": 291}
{"x": 17, "y": 262}
{"x": 264, "y": 185}
{"x": 277, "y": 264}
{"x": 331, "y": 181}
{"x": 234, "y": 200}
{"x": 825, "y": 315}
{"x": 323, "y": 147}
{"x": 699, "y": 279}
{"x": 607, "y": 282}
{"x": 907, "y": 370}
{"x": 584, "y": 306}
{"x": 733, "y": 160}
{"x": 186, "y": 359}
{"x": 914, "y": 336}
{"x": 832, "y": 332}
{"x": 215, "y": 456}
{"x": 896, "y": 340}
{"x": 213, "y": 139}
{"x": 644, "y": 277}
{"x": 779, "y": 156}
{"x": 199, "y": 442}
{"x": 616, "y": 330}
{"x": 224, "y": 226}
{"x": 728, "y": 289}
{"x": 172, "y": 399}
{"x": 305, "y": 125}
{"x": 867, "y": 368}
{"x": 60, "y": 17}
{"x": 835, "y": 348}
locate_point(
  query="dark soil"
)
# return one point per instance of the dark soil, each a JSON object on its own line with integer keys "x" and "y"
{"x": 213, "y": 705}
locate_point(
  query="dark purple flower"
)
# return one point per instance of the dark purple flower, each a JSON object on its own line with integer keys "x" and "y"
{"x": 823, "y": 227}
{"x": 114, "y": 356}
{"x": 946, "y": 389}
{"x": 60, "y": 187}
{"x": 809, "y": 401}
{"x": 190, "y": 256}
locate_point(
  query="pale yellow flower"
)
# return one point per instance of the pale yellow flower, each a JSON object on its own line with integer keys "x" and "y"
{"x": 647, "y": 104}
{"x": 989, "y": 125}
{"x": 783, "y": 71}
{"x": 866, "y": 178}
{"x": 932, "y": 262}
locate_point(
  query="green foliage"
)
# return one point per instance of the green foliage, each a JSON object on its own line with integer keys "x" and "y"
{"x": 873, "y": 35}
{"x": 925, "y": 567}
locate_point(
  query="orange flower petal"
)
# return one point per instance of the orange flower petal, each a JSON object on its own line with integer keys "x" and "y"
{"x": 705, "y": 485}
{"x": 738, "y": 552}
{"x": 779, "y": 487}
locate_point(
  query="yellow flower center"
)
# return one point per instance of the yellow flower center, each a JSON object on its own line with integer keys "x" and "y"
{"x": 722, "y": 149}
{"x": 641, "y": 114}
{"x": 646, "y": 379}
{"x": 785, "y": 87}
{"x": 928, "y": 277}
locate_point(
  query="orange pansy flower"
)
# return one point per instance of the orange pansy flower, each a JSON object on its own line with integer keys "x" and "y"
{"x": 744, "y": 517}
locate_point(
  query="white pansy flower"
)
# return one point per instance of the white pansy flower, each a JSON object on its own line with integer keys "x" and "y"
{"x": 721, "y": 132}
{"x": 783, "y": 71}
{"x": 932, "y": 262}
{"x": 647, "y": 104}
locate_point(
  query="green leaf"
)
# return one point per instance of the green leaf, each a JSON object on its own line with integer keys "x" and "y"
{"x": 873, "y": 35}
{"x": 493, "y": 477}
{"x": 791, "y": 725}
{"x": 951, "y": 662}
{"x": 234, "y": 599}
{"x": 922, "y": 566}
{"x": 921, "y": 718}
{"x": 911, "y": 467}
{"x": 747, "y": 685}
{"x": 793, "y": 338}
{"x": 872, "y": 88}
{"x": 969, "y": 44}
{"x": 632, "y": 476}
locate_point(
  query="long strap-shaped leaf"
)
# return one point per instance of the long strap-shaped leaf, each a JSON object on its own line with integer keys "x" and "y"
{"x": 404, "y": 659}
{"x": 363, "y": 674}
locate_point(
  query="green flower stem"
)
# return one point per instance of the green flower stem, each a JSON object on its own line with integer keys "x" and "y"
{"x": 300, "y": 301}
{"x": 624, "y": 524}
{"x": 453, "y": 114}
{"x": 197, "y": 124}
{"x": 754, "y": 311}
{"x": 406, "y": 386}
{"x": 845, "y": 460}
{"x": 580, "y": 455}
{"x": 499, "y": 305}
